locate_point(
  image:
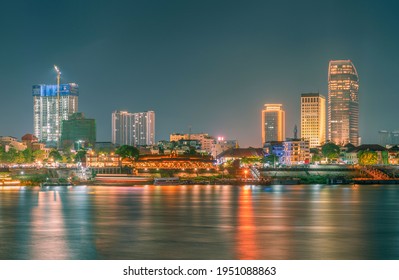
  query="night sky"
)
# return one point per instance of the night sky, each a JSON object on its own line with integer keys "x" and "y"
{"x": 210, "y": 65}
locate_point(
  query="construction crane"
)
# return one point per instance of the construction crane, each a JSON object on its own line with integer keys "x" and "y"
{"x": 58, "y": 121}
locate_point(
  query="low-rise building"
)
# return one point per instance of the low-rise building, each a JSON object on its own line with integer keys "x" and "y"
{"x": 352, "y": 155}
{"x": 31, "y": 142}
{"x": 233, "y": 154}
{"x": 393, "y": 154}
{"x": 296, "y": 151}
{"x": 220, "y": 145}
{"x": 11, "y": 142}
{"x": 102, "y": 160}
{"x": 204, "y": 139}
{"x": 173, "y": 161}
{"x": 274, "y": 148}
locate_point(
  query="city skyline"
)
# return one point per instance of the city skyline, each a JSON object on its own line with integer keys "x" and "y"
{"x": 209, "y": 65}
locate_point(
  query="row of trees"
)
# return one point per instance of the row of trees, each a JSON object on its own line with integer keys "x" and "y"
{"x": 371, "y": 157}
{"x": 329, "y": 151}
{"x": 332, "y": 151}
{"x": 20, "y": 157}
{"x": 28, "y": 156}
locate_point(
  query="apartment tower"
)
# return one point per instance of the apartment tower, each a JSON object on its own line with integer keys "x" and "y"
{"x": 50, "y": 107}
{"x": 135, "y": 129}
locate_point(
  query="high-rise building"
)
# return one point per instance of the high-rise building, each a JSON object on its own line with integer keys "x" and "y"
{"x": 313, "y": 118}
{"x": 273, "y": 123}
{"x": 135, "y": 129}
{"x": 51, "y": 108}
{"x": 388, "y": 138}
{"x": 395, "y": 137}
{"x": 343, "y": 102}
{"x": 78, "y": 132}
{"x": 385, "y": 137}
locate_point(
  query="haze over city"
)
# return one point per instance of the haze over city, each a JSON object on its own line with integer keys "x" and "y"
{"x": 211, "y": 65}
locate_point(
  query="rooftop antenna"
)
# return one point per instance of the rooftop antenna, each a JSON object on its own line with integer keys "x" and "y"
{"x": 189, "y": 132}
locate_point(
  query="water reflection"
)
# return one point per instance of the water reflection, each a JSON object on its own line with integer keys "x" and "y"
{"x": 200, "y": 222}
{"x": 246, "y": 238}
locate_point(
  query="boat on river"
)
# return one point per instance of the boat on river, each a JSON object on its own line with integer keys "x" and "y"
{"x": 167, "y": 181}
{"x": 120, "y": 179}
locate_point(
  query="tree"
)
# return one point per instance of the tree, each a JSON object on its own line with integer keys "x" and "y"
{"x": 126, "y": 151}
{"x": 2, "y": 154}
{"x": 270, "y": 159}
{"x": 191, "y": 151}
{"x": 28, "y": 155}
{"x": 330, "y": 150}
{"x": 384, "y": 155}
{"x": 316, "y": 156}
{"x": 55, "y": 155}
{"x": 367, "y": 157}
{"x": 19, "y": 158}
{"x": 251, "y": 160}
{"x": 11, "y": 155}
{"x": 39, "y": 155}
{"x": 79, "y": 157}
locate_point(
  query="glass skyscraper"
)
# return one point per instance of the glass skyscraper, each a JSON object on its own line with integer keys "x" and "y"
{"x": 343, "y": 102}
{"x": 273, "y": 123}
{"x": 134, "y": 129}
{"x": 49, "y": 110}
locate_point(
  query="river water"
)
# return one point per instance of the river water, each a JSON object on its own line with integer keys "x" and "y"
{"x": 200, "y": 222}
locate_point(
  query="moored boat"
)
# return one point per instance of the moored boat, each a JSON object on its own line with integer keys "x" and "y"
{"x": 6, "y": 180}
{"x": 167, "y": 181}
{"x": 120, "y": 179}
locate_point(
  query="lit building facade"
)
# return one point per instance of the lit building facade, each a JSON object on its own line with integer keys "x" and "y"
{"x": 220, "y": 145}
{"x": 313, "y": 118}
{"x": 273, "y": 123}
{"x": 205, "y": 140}
{"x": 135, "y": 129}
{"x": 343, "y": 102}
{"x": 49, "y": 110}
{"x": 11, "y": 142}
{"x": 296, "y": 151}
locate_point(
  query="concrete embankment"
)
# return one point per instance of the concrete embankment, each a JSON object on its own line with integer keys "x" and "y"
{"x": 310, "y": 175}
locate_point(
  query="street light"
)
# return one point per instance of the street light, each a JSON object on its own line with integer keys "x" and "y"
{"x": 79, "y": 142}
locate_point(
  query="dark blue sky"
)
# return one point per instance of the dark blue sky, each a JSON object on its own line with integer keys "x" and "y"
{"x": 210, "y": 65}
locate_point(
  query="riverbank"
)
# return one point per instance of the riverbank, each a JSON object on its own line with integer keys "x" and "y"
{"x": 323, "y": 174}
